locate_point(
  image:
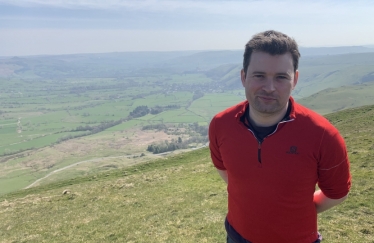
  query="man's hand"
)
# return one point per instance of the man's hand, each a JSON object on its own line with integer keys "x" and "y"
{"x": 324, "y": 203}
{"x": 223, "y": 174}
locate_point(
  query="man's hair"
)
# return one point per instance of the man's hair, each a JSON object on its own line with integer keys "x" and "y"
{"x": 273, "y": 43}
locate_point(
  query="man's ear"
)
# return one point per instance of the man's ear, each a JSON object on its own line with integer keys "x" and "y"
{"x": 242, "y": 76}
{"x": 295, "y": 79}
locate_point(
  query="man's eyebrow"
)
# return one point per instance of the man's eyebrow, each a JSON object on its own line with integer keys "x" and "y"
{"x": 259, "y": 72}
{"x": 286, "y": 74}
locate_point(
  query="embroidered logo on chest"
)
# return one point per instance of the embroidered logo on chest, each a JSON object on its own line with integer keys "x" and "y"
{"x": 293, "y": 150}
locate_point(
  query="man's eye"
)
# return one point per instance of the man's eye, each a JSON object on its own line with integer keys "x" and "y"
{"x": 282, "y": 77}
{"x": 258, "y": 76}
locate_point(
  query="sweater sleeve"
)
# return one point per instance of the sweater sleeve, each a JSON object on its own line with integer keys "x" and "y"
{"x": 334, "y": 178}
{"x": 214, "y": 147}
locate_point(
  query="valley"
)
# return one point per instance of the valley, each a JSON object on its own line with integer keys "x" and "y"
{"x": 56, "y": 111}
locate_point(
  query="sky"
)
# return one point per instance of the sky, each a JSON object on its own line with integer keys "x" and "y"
{"x": 47, "y": 27}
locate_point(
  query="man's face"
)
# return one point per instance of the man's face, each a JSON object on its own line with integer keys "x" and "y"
{"x": 269, "y": 81}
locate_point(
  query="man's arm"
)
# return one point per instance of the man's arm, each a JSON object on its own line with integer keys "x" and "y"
{"x": 223, "y": 174}
{"x": 324, "y": 203}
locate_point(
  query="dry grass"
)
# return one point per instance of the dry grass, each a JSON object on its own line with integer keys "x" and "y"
{"x": 180, "y": 203}
{"x": 119, "y": 144}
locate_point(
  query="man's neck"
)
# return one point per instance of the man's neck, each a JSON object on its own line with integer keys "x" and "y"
{"x": 265, "y": 119}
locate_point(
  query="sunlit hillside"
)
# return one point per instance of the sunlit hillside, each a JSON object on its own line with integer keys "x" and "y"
{"x": 179, "y": 198}
{"x": 336, "y": 99}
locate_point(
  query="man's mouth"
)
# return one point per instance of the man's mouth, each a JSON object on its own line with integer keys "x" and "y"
{"x": 266, "y": 98}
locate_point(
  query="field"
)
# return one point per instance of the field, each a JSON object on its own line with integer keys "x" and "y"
{"x": 44, "y": 125}
{"x": 179, "y": 198}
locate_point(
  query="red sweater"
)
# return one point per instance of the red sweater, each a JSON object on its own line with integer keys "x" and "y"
{"x": 272, "y": 200}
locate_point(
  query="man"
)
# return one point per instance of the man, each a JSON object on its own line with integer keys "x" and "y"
{"x": 272, "y": 152}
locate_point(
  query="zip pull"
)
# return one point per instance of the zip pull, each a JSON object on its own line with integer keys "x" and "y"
{"x": 259, "y": 154}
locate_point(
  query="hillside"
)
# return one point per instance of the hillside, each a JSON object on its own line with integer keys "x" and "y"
{"x": 340, "y": 98}
{"x": 317, "y": 73}
{"x": 176, "y": 199}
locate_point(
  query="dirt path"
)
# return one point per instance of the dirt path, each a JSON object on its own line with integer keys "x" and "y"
{"x": 77, "y": 163}
{"x": 96, "y": 160}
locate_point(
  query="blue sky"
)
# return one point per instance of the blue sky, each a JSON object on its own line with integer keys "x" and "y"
{"x": 34, "y": 27}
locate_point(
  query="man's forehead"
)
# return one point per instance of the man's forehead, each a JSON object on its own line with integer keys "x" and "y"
{"x": 285, "y": 57}
{"x": 262, "y": 61}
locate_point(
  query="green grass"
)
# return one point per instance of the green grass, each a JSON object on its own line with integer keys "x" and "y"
{"x": 176, "y": 116}
{"x": 177, "y": 199}
{"x": 46, "y": 108}
{"x": 40, "y": 141}
{"x": 335, "y": 99}
{"x": 16, "y": 180}
{"x": 146, "y": 206}
{"x": 121, "y": 127}
{"x": 319, "y": 73}
{"x": 211, "y": 104}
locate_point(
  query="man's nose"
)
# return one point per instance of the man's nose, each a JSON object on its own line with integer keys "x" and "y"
{"x": 269, "y": 85}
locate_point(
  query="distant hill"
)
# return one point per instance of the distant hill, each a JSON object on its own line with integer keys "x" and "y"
{"x": 207, "y": 59}
{"x": 119, "y": 64}
{"x": 86, "y": 65}
{"x": 227, "y": 75}
{"x": 176, "y": 199}
{"x": 335, "y": 99}
{"x": 321, "y": 51}
{"x": 316, "y": 73}
{"x": 322, "y": 72}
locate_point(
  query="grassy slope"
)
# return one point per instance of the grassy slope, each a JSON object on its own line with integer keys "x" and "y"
{"x": 177, "y": 199}
{"x": 321, "y": 72}
{"x": 335, "y": 99}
